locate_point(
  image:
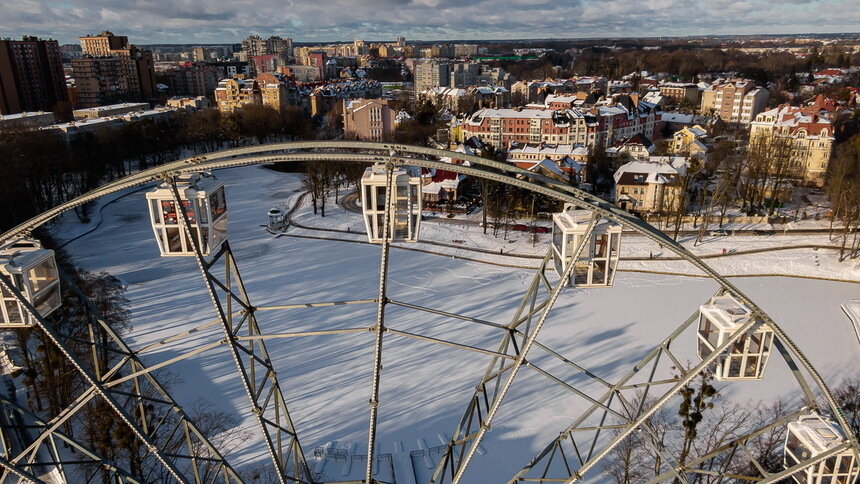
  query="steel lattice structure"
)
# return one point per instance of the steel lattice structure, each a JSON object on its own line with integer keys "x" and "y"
{"x": 171, "y": 443}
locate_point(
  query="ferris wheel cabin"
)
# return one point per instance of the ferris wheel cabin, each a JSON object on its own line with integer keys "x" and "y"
{"x": 203, "y": 200}
{"x": 810, "y": 436}
{"x": 33, "y": 271}
{"x": 747, "y": 357}
{"x": 599, "y": 259}
{"x": 404, "y": 209}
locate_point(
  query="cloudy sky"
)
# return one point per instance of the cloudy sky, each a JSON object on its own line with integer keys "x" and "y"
{"x": 221, "y": 21}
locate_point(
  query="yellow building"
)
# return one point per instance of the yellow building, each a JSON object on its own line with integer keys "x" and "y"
{"x": 276, "y": 92}
{"x": 811, "y": 135}
{"x": 233, "y": 94}
{"x": 688, "y": 141}
{"x": 455, "y": 128}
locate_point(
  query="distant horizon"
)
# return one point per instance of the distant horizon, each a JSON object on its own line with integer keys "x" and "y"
{"x": 453, "y": 40}
{"x": 526, "y": 39}
{"x": 216, "y": 22}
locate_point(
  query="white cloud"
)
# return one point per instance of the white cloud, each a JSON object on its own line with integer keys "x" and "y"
{"x": 151, "y": 21}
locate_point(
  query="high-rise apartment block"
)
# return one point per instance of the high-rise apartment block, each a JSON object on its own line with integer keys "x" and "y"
{"x": 464, "y": 74}
{"x": 101, "y": 80}
{"x": 431, "y": 74}
{"x": 734, "y": 100}
{"x": 31, "y": 75}
{"x": 102, "y": 53}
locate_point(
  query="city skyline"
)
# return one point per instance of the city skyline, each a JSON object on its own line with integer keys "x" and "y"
{"x": 162, "y": 21}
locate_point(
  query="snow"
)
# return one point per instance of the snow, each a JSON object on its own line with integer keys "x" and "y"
{"x": 852, "y": 310}
{"x": 425, "y": 387}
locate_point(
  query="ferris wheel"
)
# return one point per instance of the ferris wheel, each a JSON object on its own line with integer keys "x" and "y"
{"x": 732, "y": 338}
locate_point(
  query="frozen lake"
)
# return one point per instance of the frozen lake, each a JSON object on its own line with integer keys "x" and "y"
{"x": 425, "y": 387}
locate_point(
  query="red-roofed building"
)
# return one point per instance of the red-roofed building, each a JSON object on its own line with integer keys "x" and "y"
{"x": 810, "y": 132}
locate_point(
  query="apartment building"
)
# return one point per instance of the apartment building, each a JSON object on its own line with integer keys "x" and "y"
{"x": 368, "y": 119}
{"x": 810, "y": 133}
{"x": 31, "y": 75}
{"x": 324, "y": 98}
{"x": 277, "y": 91}
{"x": 602, "y": 125}
{"x": 233, "y": 94}
{"x": 431, "y": 74}
{"x": 465, "y": 50}
{"x": 464, "y": 74}
{"x": 734, "y": 101}
{"x": 678, "y": 91}
{"x": 137, "y": 65}
{"x": 103, "y": 44}
{"x": 101, "y": 80}
{"x": 197, "y": 79}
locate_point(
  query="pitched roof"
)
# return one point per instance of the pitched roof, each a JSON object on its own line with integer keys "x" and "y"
{"x": 643, "y": 172}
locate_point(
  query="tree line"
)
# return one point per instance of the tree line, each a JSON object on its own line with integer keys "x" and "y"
{"x": 39, "y": 170}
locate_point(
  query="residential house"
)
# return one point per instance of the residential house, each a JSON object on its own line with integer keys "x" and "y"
{"x": 649, "y": 187}
{"x": 689, "y": 141}
{"x": 637, "y": 147}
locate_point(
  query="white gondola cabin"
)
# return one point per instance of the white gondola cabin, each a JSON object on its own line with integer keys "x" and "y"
{"x": 277, "y": 220}
{"x": 33, "y": 271}
{"x": 599, "y": 259}
{"x": 810, "y": 436}
{"x": 405, "y": 207}
{"x": 203, "y": 201}
{"x": 747, "y": 357}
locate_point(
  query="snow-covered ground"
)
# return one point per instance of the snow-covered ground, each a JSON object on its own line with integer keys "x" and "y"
{"x": 425, "y": 387}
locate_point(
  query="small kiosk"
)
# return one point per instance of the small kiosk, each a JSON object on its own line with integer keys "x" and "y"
{"x": 404, "y": 209}
{"x": 746, "y": 359}
{"x": 599, "y": 259}
{"x": 277, "y": 220}
{"x": 33, "y": 271}
{"x": 810, "y": 436}
{"x": 203, "y": 201}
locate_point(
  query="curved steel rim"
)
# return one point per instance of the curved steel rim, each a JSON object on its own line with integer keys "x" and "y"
{"x": 509, "y": 174}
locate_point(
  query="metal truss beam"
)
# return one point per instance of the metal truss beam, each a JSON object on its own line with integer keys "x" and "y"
{"x": 636, "y": 420}
{"x": 379, "y": 329}
{"x": 129, "y": 381}
{"x": 254, "y": 367}
{"x": 110, "y": 398}
{"x": 484, "y": 404}
{"x": 555, "y": 450}
{"x": 130, "y": 389}
{"x": 49, "y": 439}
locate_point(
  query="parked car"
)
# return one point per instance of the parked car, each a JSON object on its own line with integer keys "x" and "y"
{"x": 763, "y": 232}
{"x": 519, "y": 227}
{"x": 539, "y": 229}
{"x": 719, "y": 233}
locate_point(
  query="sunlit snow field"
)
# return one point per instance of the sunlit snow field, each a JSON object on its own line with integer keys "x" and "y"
{"x": 425, "y": 387}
